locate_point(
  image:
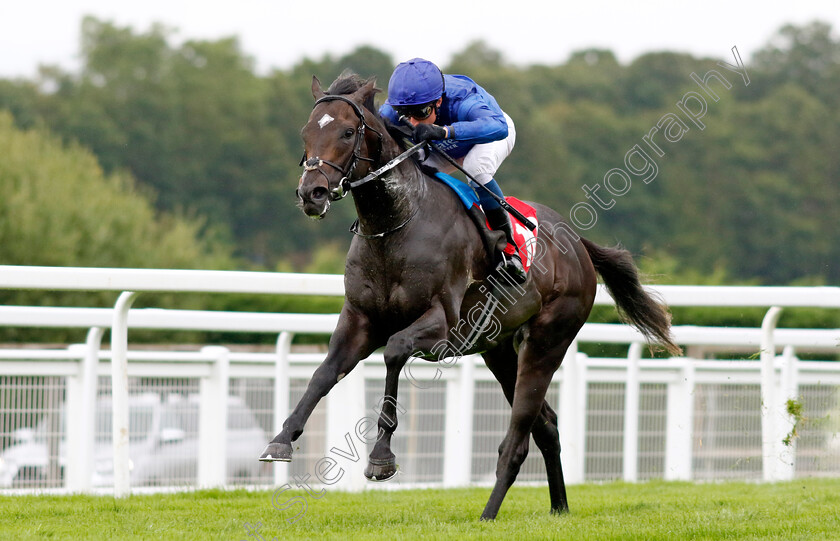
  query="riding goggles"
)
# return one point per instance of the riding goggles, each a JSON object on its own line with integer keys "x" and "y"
{"x": 418, "y": 112}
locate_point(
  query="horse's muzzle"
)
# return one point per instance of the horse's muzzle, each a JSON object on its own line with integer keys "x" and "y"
{"x": 315, "y": 203}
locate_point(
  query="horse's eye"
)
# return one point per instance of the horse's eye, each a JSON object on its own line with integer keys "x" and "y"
{"x": 348, "y": 133}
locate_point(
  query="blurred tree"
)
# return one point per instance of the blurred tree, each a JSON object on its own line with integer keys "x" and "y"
{"x": 369, "y": 62}
{"x": 20, "y": 99}
{"x": 788, "y": 195}
{"x": 327, "y": 259}
{"x": 591, "y": 75}
{"x": 476, "y": 55}
{"x": 808, "y": 56}
{"x": 192, "y": 123}
{"x": 58, "y": 208}
{"x": 656, "y": 80}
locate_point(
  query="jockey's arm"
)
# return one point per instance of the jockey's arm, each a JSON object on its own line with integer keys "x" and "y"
{"x": 477, "y": 123}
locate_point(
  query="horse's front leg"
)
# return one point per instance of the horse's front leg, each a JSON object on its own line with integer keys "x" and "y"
{"x": 350, "y": 343}
{"x": 420, "y": 336}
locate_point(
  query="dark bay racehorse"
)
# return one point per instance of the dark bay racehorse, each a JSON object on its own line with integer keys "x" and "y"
{"x": 416, "y": 269}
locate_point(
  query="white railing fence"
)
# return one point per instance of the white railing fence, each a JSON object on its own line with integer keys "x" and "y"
{"x": 200, "y": 418}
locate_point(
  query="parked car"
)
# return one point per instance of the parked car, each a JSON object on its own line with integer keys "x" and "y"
{"x": 163, "y": 444}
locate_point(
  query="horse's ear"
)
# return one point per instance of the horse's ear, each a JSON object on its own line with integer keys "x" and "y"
{"x": 317, "y": 93}
{"x": 367, "y": 91}
{"x": 365, "y": 94}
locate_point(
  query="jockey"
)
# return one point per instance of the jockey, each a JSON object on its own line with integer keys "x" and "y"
{"x": 465, "y": 121}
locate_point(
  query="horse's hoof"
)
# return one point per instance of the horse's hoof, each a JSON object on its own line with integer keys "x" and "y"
{"x": 381, "y": 469}
{"x": 277, "y": 452}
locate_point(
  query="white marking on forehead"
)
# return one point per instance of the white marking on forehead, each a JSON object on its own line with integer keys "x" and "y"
{"x": 326, "y": 119}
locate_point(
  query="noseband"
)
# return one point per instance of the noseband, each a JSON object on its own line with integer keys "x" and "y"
{"x": 314, "y": 164}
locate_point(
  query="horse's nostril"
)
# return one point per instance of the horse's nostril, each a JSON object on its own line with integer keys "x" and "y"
{"x": 319, "y": 193}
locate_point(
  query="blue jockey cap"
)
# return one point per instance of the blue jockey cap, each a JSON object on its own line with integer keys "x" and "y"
{"x": 415, "y": 82}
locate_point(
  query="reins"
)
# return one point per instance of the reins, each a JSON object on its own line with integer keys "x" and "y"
{"x": 355, "y": 228}
{"x": 387, "y": 167}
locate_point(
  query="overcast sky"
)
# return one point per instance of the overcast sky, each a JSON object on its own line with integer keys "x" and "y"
{"x": 280, "y": 33}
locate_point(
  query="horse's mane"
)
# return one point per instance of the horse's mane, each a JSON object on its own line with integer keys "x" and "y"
{"x": 349, "y": 82}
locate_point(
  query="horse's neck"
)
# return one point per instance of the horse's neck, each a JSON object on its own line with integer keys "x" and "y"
{"x": 391, "y": 200}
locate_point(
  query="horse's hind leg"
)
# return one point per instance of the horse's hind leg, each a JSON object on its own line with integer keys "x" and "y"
{"x": 531, "y": 384}
{"x": 502, "y": 363}
{"x": 539, "y": 357}
{"x": 547, "y": 438}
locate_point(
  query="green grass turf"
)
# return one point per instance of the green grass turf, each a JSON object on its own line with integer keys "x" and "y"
{"x": 804, "y": 509}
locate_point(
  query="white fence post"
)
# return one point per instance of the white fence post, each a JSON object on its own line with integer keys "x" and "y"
{"x": 281, "y": 398}
{"x": 771, "y": 413}
{"x": 460, "y": 403}
{"x": 788, "y": 390}
{"x": 80, "y": 425}
{"x": 345, "y": 408}
{"x": 679, "y": 424}
{"x": 212, "y": 420}
{"x": 74, "y": 423}
{"x": 631, "y": 414}
{"x": 119, "y": 393}
{"x": 572, "y": 415}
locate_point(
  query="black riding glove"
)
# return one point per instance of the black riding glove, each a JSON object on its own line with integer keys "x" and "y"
{"x": 429, "y": 132}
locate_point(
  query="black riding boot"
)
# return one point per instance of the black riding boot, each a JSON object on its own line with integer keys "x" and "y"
{"x": 499, "y": 220}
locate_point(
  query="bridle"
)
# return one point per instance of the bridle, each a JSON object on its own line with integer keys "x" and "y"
{"x": 314, "y": 164}
{"x": 346, "y": 184}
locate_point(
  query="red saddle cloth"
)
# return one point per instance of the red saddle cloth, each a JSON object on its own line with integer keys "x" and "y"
{"x": 524, "y": 237}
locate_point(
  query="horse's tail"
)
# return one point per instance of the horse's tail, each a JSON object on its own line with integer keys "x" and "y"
{"x": 635, "y": 306}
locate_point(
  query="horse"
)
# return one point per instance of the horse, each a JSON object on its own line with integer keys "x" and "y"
{"x": 417, "y": 269}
